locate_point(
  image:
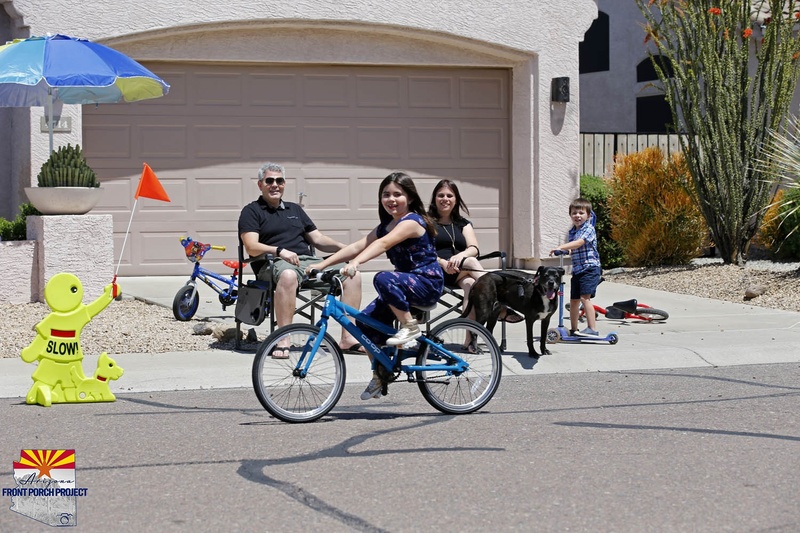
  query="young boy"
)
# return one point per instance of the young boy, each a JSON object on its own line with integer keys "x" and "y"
{"x": 586, "y": 270}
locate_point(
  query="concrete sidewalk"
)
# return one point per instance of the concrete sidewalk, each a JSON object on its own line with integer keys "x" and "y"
{"x": 699, "y": 332}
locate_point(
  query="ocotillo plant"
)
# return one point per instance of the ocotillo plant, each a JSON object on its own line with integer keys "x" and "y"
{"x": 728, "y": 69}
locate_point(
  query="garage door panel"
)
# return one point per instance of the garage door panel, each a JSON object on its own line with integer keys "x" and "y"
{"x": 331, "y": 90}
{"x": 217, "y": 195}
{"x": 380, "y": 92}
{"x": 278, "y": 142}
{"x": 326, "y": 142}
{"x": 162, "y": 140}
{"x": 214, "y": 88}
{"x": 338, "y": 129}
{"x": 380, "y": 142}
{"x": 482, "y": 93}
{"x": 431, "y": 142}
{"x": 482, "y": 143}
{"x": 218, "y": 141}
{"x": 117, "y": 137}
{"x": 178, "y": 79}
{"x": 272, "y": 90}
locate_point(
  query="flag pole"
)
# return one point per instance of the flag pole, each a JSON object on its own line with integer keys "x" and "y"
{"x": 125, "y": 240}
{"x": 149, "y": 187}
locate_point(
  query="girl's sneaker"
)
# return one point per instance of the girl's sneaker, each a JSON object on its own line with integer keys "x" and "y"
{"x": 373, "y": 390}
{"x": 407, "y": 333}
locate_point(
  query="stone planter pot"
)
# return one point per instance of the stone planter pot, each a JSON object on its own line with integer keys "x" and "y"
{"x": 64, "y": 200}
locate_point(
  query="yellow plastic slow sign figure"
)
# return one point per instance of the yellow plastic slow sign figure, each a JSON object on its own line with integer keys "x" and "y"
{"x": 59, "y": 377}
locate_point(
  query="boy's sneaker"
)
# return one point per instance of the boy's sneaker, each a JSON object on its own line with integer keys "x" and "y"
{"x": 373, "y": 390}
{"x": 407, "y": 333}
{"x": 588, "y": 332}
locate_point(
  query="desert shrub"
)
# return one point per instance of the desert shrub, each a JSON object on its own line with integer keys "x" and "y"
{"x": 780, "y": 228}
{"x": 595, "y": 189}
{"x": 767, "y": 235}
{"x": 655, "y": 220}
{"x": 16, "y": 230}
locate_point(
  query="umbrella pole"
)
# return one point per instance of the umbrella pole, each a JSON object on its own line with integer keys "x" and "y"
{"x": 50, "y": 117}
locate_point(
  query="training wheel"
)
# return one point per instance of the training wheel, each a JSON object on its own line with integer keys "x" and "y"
{"x": 553, "y": 336}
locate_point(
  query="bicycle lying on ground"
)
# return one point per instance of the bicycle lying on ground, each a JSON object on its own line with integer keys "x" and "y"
{"x": 453, "y": 375}
{"x": 627, "y": 310}
{"x": 187, "y": 300}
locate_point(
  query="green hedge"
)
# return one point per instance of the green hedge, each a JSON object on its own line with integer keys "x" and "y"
{"x": 595, "y": 189}
{"x": 16, "y": 230}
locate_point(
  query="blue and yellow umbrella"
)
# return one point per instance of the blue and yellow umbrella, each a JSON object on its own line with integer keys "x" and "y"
{"x": 42, "y": 70}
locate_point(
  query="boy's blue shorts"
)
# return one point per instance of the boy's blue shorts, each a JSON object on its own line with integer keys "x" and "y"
{"x": 584, "y": 282}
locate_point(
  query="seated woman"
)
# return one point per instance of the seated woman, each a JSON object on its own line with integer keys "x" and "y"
{"x": 456, "y": 244}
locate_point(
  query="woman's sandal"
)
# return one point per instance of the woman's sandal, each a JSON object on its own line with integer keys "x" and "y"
{"x": 280, "y": 352}
{"x": 472, "y": 345}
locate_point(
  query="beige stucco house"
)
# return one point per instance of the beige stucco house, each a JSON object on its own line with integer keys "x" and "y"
{"x": 342, "y": 93}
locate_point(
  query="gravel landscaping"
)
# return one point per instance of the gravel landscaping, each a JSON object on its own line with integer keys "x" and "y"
{"x": 130, "y": 326}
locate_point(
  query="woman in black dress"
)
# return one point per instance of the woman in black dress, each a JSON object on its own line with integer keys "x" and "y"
{"x": 456, "y": 243}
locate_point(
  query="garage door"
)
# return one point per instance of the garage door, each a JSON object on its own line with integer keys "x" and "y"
{"x": 338, "y": 130}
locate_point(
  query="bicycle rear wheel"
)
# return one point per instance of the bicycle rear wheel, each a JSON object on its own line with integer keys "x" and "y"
{"x": 651, "y": 313}
{"x": 285, "y": 388}
{"x": 467, "y": 392}
{"x": 185, "y": 303}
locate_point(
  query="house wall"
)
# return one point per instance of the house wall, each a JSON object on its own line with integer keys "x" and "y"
{"x": 609, "y": 98}
{"x": 608, "y": 103}
{"x": 536, "y": 40}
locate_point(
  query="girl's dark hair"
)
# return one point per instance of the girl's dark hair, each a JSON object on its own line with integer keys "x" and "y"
{"x": 433, "y": 211}
{"x": 415, "y": 205}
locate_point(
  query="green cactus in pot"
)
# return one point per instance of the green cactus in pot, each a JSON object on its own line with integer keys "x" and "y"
{"x": 67, "y": 167}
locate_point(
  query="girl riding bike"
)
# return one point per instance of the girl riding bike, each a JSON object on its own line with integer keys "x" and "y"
{"x": 405, "y": 234}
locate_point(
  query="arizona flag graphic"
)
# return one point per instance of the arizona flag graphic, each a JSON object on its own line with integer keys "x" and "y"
{"x": 45, "y": 487}
{"x": 55, "y": 465}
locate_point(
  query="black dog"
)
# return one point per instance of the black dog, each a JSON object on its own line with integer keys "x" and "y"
{"x": 533, "y": 295}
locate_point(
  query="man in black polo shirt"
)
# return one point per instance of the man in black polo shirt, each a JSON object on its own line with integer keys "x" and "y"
{"x": 283, "y": 229}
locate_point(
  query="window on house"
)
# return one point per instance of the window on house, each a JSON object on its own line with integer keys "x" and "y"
{"x": 593, "y": 52}
{"x": 646, "y": 70}
{"x": 653, "y": 115}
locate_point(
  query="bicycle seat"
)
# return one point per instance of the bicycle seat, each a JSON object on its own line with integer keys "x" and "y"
{"x": 628, "y": 306}
{"x": 421, "y": 312}
{"x": 236, "y": 265}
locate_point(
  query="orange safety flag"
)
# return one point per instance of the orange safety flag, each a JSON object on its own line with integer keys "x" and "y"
{"x": 150, "y": 187}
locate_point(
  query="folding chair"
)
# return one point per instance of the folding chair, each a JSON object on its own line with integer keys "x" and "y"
{"x": 255, "y": 299}
{"x": 452, "y": 298}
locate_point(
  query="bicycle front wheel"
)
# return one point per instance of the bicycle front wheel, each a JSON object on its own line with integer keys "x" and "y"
{"x": 282, "y": 383}
{"x": 463, "y": 393}
{"x": 651, "y": 313}
{"x": 185, "y": 303}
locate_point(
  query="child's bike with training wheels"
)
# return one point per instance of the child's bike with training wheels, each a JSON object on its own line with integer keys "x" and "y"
{"x": 456, "y": 366}
{"x": 187, "y": 300}
{"x": 627, "y": 310}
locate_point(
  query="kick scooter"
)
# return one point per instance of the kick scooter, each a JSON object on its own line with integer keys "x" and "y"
{"x": 561, "y": 333}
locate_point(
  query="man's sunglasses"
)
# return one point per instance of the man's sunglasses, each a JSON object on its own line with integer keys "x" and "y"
{"x": 270, "y": 181}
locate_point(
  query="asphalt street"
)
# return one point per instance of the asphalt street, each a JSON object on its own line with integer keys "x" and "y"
{"x": 687, "y": 425}
{"x": 701, "y": 449}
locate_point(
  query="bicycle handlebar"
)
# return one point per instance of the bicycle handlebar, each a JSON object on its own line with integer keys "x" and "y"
{"x": 325, "y": 276}
{"x": 560, "y": 252}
